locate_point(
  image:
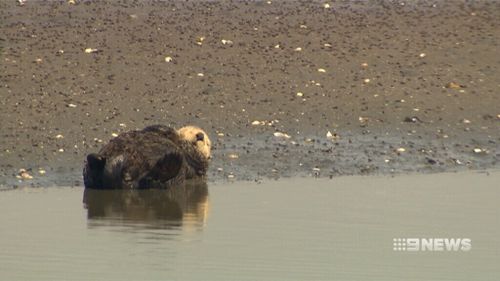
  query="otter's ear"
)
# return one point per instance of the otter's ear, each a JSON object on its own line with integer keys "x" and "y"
{"x": 200, "y": 136}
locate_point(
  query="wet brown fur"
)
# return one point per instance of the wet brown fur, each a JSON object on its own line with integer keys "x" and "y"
{"x": 155, "y": 157}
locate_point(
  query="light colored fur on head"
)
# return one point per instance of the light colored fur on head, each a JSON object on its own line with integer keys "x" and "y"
{"x": 188, "y": 133}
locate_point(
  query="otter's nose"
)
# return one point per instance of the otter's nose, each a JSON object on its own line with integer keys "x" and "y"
{"x": 200, "y": 136}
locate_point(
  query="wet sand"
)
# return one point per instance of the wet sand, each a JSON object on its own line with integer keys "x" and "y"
{"x": 402, "y": 88}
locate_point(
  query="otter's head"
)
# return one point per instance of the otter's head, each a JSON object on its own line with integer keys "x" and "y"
{"x": 198, "y": 138}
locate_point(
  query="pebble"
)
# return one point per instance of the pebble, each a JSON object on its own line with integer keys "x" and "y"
{"x": 326, "y": 6}
{"x": 233, "y": 156}
{"x": 412, "y": 119}
{"x": 422, "y": 55}
{"x": 453, "y": 85}
{"x": 41, "y": 171}
{"x": 23, "y": 174}
{"x": 59, "y": 136}
{"x": 200, "y": 74}
{"x": 230, "y": 176}
{"x": 298, "y": 49}
{"x": 226, "y": 42}
{"x": 322, "y": 70}
{"x": 401, "y": 149}
{"x": 90, "y": 50}
{"x": 168, "y": 59}
{"x": 331, "y": 136}
{"x": 72, "y": 105}
{"x": 299, "y": 94}
{"x": 114, "y": 135}
{"x": 257, "y": 123}
{"x": 366, "y": 81}
{"x": 281, "y": 135}
{"x": 200, "y": 40}
{"x": 478, "y": 150}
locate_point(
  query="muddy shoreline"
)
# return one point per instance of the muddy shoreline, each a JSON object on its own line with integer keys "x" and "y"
{"x": 407, "y": 88}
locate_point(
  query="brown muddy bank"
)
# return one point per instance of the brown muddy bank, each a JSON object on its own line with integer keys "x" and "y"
{"x": 401, "y": 88}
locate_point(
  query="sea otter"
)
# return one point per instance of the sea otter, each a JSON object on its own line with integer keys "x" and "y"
{"x": 155, "y": 157}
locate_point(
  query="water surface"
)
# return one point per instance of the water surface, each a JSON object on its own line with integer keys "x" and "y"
{"x": 292, "y": 229}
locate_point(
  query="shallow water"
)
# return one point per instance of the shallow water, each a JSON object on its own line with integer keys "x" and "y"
{"x": 295, "y": 229}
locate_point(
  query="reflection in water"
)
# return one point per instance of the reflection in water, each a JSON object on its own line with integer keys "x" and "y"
{"x": 185, "y": 205}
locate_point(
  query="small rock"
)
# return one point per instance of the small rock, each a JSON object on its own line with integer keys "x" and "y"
{"x": 299, "y": 94}
{"x": 478, "y": 150}
{"x": 281, "y": 135}
{"x": 71, "y": 105}
{"x": 231, "y": 176}
{"x": 422, "y": 55}
{"x": 168, "y": 59}
{"x": 331, "y": 136}
{"x": 200, "y": 74}
{"x": 366, "y": 81}
{"x": 226, "y": 42}
{"x": 326, "y": 6}
{"x": 431, "y": 161}
{"x": 90, "y": 51}
{"x": 364, "y": 64}
{"x": 401, "y": 149}
{"x": 453, "y": 85}
{"x": 298, "y": 49}
{"x": 59, "y": 136}
{"x": 413, "y": 119}
{"x": 23, "y": 174}
{"x": 322, "y": 70}
{"x": 233, "y": 156}
{"x": 114, "y": 135}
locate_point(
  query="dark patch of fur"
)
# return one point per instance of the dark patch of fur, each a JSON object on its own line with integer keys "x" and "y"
{"x": 154, "y": 157}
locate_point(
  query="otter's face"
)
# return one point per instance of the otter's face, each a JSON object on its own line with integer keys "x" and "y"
{"x": 198, "y": 138}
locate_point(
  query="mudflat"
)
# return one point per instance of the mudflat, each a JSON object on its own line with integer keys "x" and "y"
{"x": 286, "y": 88}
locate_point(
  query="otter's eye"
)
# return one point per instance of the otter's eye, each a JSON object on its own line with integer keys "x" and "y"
{"x": 200, "y": 136}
